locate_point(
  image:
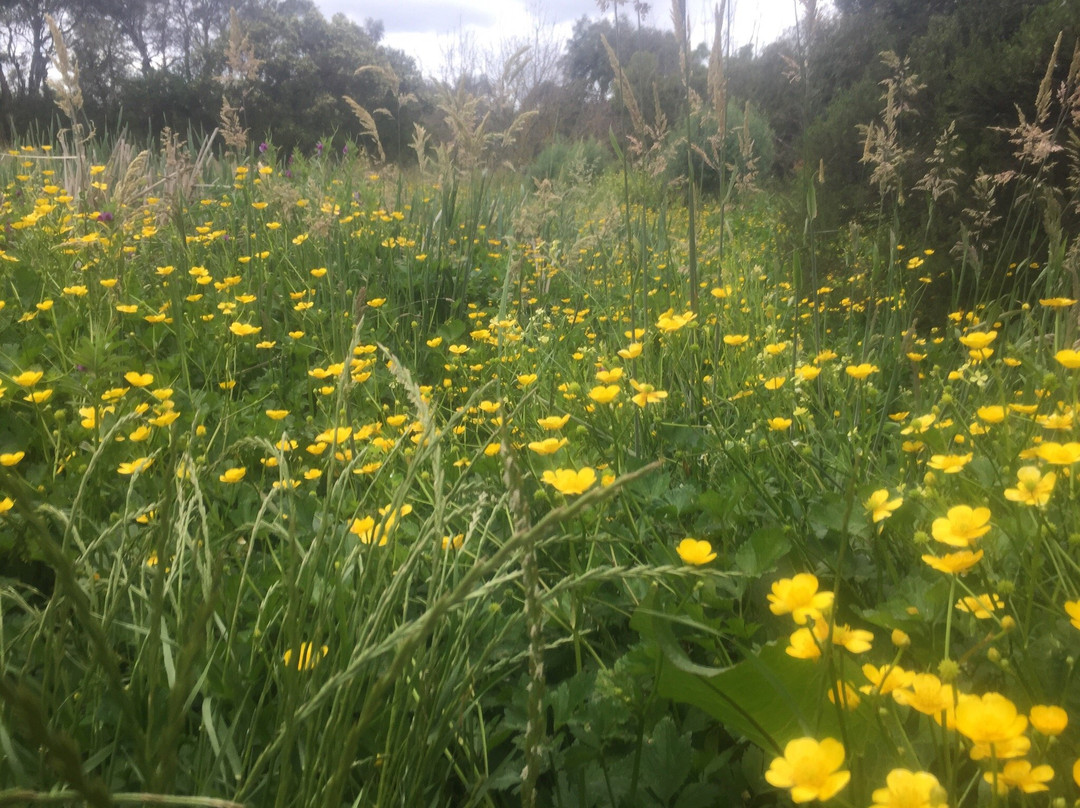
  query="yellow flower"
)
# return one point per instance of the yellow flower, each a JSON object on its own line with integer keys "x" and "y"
{"x": 1072, "y": 608}
{"x": 553, "y": 422}
{"x": 646, "y": 394}
{"x": 1020, "y": 774}
{"x": 547, "y": 446}
{"x": 1048, "y": 719}
{"x": 244, "y": 329}
{"x": 779, "y": 424}
{"x": 609, "y": 376}
{"x": 807, "y": 373}
{"x": 1056, "y": 302}
{"x": 164, "y": 419}
{"x": 233, "y": 475}
{"x": 6, "y": 504}
{"x": 670, "y": 321}
{"x": 28, "y": 378}
{"x": 981, "y": 606}
{"x": 849, "y": 696}
{"x": 568, "y": 481}
{"x": 136, "y": 379}
{"x": 855, "y": 640}
{"x": 811, "y": 769}
{"x": 604, "y": 393}
{"x": 989, "y": 719}
{"x": 1032, "y": 487}
{"x": 799, "y": 597}
{"x": 11, "y": 458}
{"x": 880, "y": 507}
{"x": 954, "y": 563}
{"x": 137, "y": 465}
{"x": 927, "y": 694}
{"x": 950, "y": 464}
{"x": 308, "y": 657}
{"x": 1068, "y": 358}
{"x": 775, "y": 383}
{"x": 631, "y": 351}
{"x": 861, "y": 371}
{"x": 885, "y": 679}
{"x": 735, "y": 340}
{"x": 978, "y": 340}
{"x": 334, "y": 435}
{"x": 277, "y": 415}
{"x": 1059, "y": 454}
{"x": 695, "y": 551}
{"x": 908, "y": 789}
{"x": 961, "y": 526}
{"x": 806, "y": 643}
{"x": 39, "y": 396}
{"x": 525, "y": 379}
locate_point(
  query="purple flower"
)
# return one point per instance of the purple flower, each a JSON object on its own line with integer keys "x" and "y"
{"x": 263, "y": 147}
{"x": 288, "y": 173}
{"x": 104, "y": 216}
{"x": 319, "y": 147}
{"x": 345, "y": 150}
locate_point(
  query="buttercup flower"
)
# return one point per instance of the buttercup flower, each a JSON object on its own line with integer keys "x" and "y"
{"x": 961, "y": 526}
{"x": 982, "y": 606}
{"x": 1072, "y": 608}
{"x": 570, "y": 482}
{"x": 861, "y": 371}
{"x": 308, "y": 657}
{"x": 811, "y": 769}
{"x": 1059, "y": 454}
{"x": 1020, "y": 774}
{"x": 799, "y": 597}
{"x": 695, "y": 551}
{"x": 954, "y": 563}
{"x": 989, "y": 719}
{"x": 233, "y": 475}
{"x": 1032, "y": 487}
{"x": 880, "y": 507}
{"x": 885, "y": 679}
{"x": 927, "y": 694}
{"x": 949, "y": 464}
{"x": 1048, "y": 719}
{"x": 908, "y": 789}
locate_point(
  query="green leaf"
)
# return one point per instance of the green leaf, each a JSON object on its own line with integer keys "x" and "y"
{"x": 759, "y": 554}
{"x": 667, "y": 759}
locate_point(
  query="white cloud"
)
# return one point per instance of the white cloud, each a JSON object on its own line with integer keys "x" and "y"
{"x": 428, "y": 29}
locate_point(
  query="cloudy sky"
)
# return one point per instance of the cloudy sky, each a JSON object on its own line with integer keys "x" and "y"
{"x": 430, "y": 29}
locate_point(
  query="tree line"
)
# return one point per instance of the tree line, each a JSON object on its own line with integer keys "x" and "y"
{"x": 149, "y": 64}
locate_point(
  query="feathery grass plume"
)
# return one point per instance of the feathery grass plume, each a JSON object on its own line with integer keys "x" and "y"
{"x": 65, "y": 83}
{"x": 181, "y": 173}
{"x": 746, "y": 173}
{"x": 69, "y": 98}
{"x": 240, "y": 72}
{"x": 368, "y": 127}
{"x": 942, "y": 175}
{"x": 469, "y": 135}
{"x": 626, "y": 91}
{"x": 241, "y": 64}
{"x": 134, "y": 181}
{"x": 233, "y": 131}
{"x": 882, "y": 148}
{"x": 419, "y": 144}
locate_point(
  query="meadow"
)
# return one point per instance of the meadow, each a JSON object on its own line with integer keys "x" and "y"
{"x": 324, "y": 483}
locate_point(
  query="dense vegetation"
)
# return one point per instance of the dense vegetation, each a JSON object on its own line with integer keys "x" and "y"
{"x": 331, "y": 477}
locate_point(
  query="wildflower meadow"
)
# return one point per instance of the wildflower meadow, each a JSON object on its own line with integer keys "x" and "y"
{"x": 327, "y": 482}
